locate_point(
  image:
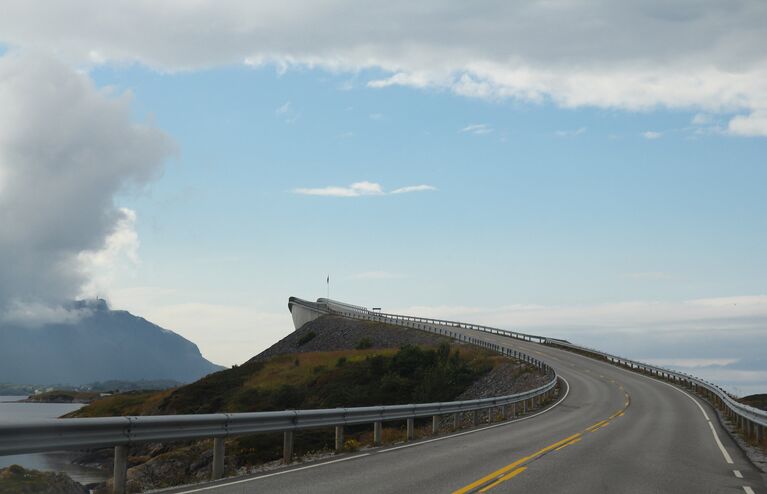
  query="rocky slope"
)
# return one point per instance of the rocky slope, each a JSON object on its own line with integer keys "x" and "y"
{"x": 18, "y": 480}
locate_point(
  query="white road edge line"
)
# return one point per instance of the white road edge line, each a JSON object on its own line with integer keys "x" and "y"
{"x": 253, "y": 479}
{"x": 737, "y": 474}
{"x": 224, "y": 484}
{"x": 726, "y": 455}
{"x": 718, "y": 441}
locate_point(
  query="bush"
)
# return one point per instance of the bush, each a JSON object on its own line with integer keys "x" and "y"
{"x": 364, "y": 343}
{"x": 306, "y": 338}
{"x": 351, "y": 445}
{"x": 341, "y": 362}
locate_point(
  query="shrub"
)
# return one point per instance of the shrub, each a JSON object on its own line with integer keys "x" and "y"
{"x": 364, "y": 343}
{"x": 306, "y": 338}
{"x": 341, "y": 362}
{"x": 351, "y": 445}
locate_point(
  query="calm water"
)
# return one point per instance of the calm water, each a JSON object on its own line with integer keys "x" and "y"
{"x": 56, "y": 462}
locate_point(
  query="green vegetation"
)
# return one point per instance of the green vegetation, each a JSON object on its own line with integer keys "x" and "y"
{"x": 364, "y": 343}
{"x": 329, "y": 379}
{"x": 63, "y": 396}
{"x": 18, "y": 480}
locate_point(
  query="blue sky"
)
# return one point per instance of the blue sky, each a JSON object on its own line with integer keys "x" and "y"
{"x": 610, "y": 193}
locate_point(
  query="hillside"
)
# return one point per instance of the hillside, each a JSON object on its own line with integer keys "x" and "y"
{"x": 102, "y": 345}
{"x": 757, "y": 401}
{"x": 330, "y": 362}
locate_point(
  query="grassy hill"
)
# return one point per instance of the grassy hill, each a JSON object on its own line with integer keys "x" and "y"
{"x": 330, "y": 362}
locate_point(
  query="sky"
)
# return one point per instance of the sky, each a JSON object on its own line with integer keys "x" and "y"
{"x": 587, "y": 170}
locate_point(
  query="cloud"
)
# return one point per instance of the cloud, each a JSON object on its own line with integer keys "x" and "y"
{"x": 66, "y": 149}
{"x": 375, "y": 116}
{"x": 476, "y": 129}
{"x": 650, "y": 134}
{"x": 359, "y": 189}
{"x": 287, "y": 113}
{"x": 570, "y": 133}
{"x": 701, "y": 119}
{"x": 413, "y": 188}
{"x": 754, "y": 124}
{"x": 686, "y": 332}
{"x": 703, "y": 56}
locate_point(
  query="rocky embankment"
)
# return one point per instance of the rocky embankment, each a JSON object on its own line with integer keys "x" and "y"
{"x": 19, "y": 480}
{"x": 330, "y": 333}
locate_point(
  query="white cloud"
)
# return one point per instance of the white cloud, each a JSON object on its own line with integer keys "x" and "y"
{"x": 691, "y": 314}
{"x": 120, "y": 251}
{"x": 66, "y": 149}
{"x": 691, "y": 363}
{"x": 287, "y": 112}
{"x": 703, "y": 56}
{"x": 651, "y": 134}
{"x": 701, "y": 119}
{"x": 359, "y": 189}
{"x": 376, "y": 116}
{"x": 571, "y": 133}
{"x": 754, "y": 124}
{"x": 413, "y": 188}
{"x": 476, "y": 129}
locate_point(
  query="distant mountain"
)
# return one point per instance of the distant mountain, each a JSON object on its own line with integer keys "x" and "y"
{"x": 103, "y": 345}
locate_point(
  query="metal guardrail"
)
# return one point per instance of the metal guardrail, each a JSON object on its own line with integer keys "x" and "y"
{"x": 122, "y": 432}
{"x": 751, "y": 421}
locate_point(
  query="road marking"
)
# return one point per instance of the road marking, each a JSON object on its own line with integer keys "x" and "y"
{"x": 506, "y": 477}
{"x": 210, "y": 487}
{"x": 748, "y": 489}
{"x": 718, "y": 441}
{"x": 727, "y": 457}
{"x": 738, "y": 474}
{"x": 511, "y": 466}
{"x": 568, "y": 444}
{"x": 503, "y": 474}
{"x": 252, "y": 479}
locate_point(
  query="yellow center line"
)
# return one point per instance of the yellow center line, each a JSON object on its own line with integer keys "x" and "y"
{"x": 506, "y": 477}
{"x": 568, "y": 444}
{"x": 513, "y": 469}
{"x": 511, "y": 466}
{"x": 597, "y": 425}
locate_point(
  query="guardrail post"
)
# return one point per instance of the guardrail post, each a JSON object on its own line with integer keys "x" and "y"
{"x": 760, "y": 434}
{"x": 513, "y": 410}
{"x": 218, "y": 458}
{"x": 524, "y": 407}
{"x": 504, "y": 412}
{"x": 490, "y": 413}
{"x": 435, "y": 424}
{"x": 377, "y": 432}
{"x": 455, "y": 421}
{"x": 121, "y": 469}
{"x": 410, "y": 428}
{"x": 475, "y": 417}
{"x": 287, "y": 447}
{"x": 339, "y": 438}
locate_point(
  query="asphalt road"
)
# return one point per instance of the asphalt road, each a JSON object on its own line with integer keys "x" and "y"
{"x": 615, "y": 431}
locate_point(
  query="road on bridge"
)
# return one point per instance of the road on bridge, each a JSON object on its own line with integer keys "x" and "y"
{"x": 615, "y": 431}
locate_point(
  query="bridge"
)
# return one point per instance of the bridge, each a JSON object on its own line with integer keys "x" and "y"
{"x": 601, "y": 423}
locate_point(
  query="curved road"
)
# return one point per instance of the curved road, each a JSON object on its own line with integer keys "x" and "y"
{"x": 664, "y": 440}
